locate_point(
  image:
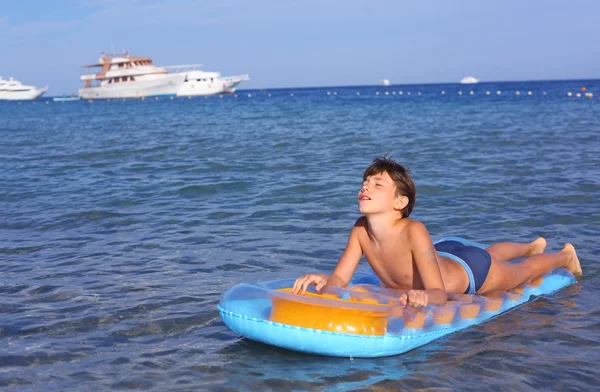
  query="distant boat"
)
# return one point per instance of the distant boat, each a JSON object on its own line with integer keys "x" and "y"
{"x": 13, "y": 90}
{"x": 385, "y": 82}
{"x": 125, "y": 76}
{"x": 469, "y": 80}
{"x": 64, "y": 98}
{"x": 199, "y": 82}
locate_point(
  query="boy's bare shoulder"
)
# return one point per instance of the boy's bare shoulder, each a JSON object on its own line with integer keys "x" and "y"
{"x": 415, "y": 229}
{"x": 361, "y": 223}
{"x": 417, "y": 236}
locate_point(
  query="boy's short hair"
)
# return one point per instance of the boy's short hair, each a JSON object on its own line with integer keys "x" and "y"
{"x": 401, "y": 177}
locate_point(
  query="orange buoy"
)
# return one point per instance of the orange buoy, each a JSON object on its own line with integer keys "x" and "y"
{"x": 343, "y": 316}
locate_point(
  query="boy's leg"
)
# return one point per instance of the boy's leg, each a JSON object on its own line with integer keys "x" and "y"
{"x": 505, "y": 251}
{"x": 506, "y": 276}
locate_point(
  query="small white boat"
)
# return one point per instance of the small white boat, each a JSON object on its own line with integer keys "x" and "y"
{"x": 469, "y": 80}
{"x": 385, "y": 82}
{"x": 200, "y": 82}
{"x": 13, "y": 90}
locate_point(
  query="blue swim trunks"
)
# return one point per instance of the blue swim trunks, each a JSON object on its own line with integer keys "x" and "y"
{"x": 474, "y": 259}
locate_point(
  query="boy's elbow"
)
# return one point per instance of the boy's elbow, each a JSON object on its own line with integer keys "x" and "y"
{"x": 444, "y": 299}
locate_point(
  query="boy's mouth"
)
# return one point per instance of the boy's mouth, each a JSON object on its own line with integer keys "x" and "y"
{"x": 364, "y": 197}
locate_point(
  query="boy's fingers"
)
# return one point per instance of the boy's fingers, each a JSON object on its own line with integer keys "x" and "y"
{"x": 297, "y": 285}
{"x": 305, "y": 285}
{"x": 420, "y": 299}
{"x": 403, "y": 299}
{"x": 301, "y": 284}
{"x": 415, "y": 298}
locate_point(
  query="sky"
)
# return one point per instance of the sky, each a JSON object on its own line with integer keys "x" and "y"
{"x": 289, "y": 43}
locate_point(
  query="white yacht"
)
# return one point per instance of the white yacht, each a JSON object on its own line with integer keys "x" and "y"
{"x": 200, "y": 82}
{"x": 385, "y": 82}
{"x": 125, "y": 76}
{"x": 13, "y": 90}
{"x": 469, "y": 80}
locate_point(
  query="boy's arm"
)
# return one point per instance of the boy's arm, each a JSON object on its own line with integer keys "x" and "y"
{"x": 342, "y": 274}
{"x": 426, "y": 261}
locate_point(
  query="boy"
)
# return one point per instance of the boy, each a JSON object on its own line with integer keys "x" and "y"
{"x": 401, "y": 253}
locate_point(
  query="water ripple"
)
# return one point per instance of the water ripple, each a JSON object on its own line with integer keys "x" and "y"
{"x": 123, "y": 223}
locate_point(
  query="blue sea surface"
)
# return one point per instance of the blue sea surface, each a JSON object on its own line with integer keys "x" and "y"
{"x": 123, "y": 222}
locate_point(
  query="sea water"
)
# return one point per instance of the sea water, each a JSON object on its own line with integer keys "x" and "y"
{"x": 123, "y": 222}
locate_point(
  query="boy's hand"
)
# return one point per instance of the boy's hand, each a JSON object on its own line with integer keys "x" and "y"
{"x": 416, "y": 298}
{"x": 300, "y": 285}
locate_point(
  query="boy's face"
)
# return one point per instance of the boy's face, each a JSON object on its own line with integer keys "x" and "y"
{"x": 378, "y": 194}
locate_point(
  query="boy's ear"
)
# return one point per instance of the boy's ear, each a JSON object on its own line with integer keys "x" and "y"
{"x": 401, "y": 202}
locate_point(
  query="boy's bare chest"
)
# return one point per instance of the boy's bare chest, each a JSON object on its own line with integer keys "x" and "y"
{"x": 392, "y": 263}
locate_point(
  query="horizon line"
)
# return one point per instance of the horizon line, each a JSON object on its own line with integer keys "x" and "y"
{"x": 414, "y": 84}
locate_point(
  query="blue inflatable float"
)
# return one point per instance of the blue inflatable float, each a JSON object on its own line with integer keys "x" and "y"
{"x": 363, "y": 319}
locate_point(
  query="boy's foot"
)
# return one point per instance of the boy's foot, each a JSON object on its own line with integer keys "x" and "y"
{"x": 537, "y": 246}
{"x": 573, "y": 264}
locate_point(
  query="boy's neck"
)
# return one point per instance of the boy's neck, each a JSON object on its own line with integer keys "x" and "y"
{"x": 381, "y": 226}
